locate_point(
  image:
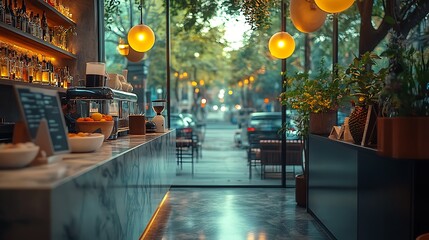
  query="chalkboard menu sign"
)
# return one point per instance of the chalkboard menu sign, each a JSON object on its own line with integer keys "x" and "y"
{"x": 41, "y": 111}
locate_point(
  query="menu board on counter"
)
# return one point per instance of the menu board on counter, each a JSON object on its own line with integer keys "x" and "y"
{"x": 42, "y": 114}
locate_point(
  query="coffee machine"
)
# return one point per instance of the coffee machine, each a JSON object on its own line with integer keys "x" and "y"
{"x": 85, "y": 101}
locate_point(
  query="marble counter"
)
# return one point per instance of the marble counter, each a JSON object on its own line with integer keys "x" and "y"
{"x": 109, "y": 194}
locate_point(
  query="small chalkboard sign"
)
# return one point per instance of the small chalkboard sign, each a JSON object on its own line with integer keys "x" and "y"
{"x": 43, "y": 117}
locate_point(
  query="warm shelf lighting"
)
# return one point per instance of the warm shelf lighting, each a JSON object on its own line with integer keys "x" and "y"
{"x": 334, "y": 6}
{"x": 281, "y": 45}
{"x": 141, "y": 37}
{"x": 123, "y": 48}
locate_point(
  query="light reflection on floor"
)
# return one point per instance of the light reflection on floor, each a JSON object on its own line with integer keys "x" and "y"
{"x": 233, "y": 213}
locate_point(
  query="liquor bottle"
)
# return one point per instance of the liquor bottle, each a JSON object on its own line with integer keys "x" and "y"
{"x": 17, "y": 13}
{"x": 45, "y": 28}
{"x": 24, "y": 16}
{"x": 30, "y": 69}
{"x": 30, "y": 24}
{"x": 4, "y": 63}
{"x": 45, "y": 71}
{"x": 12, "y": 14}
{"x": 1, "y": 11}
{"x": 24, "y": 68}
{"x": 7, "y": 14}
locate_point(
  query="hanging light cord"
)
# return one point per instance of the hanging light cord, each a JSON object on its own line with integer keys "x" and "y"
{"x": 141, "y": 11}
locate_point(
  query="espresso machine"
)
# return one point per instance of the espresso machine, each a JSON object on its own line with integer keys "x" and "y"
{"x": 83, "y": 102}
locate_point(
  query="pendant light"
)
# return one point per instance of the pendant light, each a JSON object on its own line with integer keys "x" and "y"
{"x": 123, "y": 48}
{"x": 141, "y": 37}
{"x": 281, "y": 45}
{"x": 306, "y": 16}
{"x": 334, "y": 6}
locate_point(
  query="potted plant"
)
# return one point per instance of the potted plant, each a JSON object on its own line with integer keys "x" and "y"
{"x": 404, "y": 122}
{"x": 309, "y": 97}
{"x": 364, "y": 83}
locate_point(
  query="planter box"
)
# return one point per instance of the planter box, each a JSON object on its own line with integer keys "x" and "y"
{"x": 403, "y": 137}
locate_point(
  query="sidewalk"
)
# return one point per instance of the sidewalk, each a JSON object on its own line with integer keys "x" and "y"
{"x": 223, "y": 164}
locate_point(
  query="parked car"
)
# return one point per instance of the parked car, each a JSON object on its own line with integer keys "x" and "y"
{"x": 265, "y": 125}
{"x": 178, "y": 122}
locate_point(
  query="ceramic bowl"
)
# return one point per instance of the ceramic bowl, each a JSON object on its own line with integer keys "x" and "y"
{"x": 89, "y": 142}
{"x": 17, "y": 155}
{"x": 103, "y": 127}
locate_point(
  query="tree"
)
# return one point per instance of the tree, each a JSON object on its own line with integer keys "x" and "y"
{"x": 400, "y": 15}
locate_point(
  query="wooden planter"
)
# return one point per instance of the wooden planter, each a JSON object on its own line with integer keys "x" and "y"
{"x": 403, "y": 137}
{"x": 322, "y": 123}
{"x": 301, "y": 190}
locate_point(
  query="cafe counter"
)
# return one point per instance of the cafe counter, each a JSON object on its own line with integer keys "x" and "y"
{"x": 357, "y": 194}
{"x": 108, "y": 194}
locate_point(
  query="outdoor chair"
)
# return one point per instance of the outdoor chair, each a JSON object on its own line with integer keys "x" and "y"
{"x": 270, "y": 155}
{"x": 185, "y": 147}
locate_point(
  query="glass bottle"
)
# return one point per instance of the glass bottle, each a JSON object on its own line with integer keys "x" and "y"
{"x": 45, "y": 71}
{"x": 37, "y": 71}
{"x": 24, "y": 17}
{"x": 12, "y": 14}
{"x": 45, "y": 28}
{"x": 4, "y": 63}
{"x": 7, "y": 14}
{"x": 18, "y": 15}
{"x": 24, "y": 68}
{"x": 1, "y": 11}
{"x": 30, "y": 67}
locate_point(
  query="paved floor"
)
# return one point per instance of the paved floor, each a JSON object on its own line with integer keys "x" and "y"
{"x": 233, "y": 213}
{"x": 224, "y": 164}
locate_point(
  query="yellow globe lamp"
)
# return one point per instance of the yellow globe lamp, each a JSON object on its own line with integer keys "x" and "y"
{"x": 141, "y": 38}
{"x": 123, "y": 48}
{"x": 306, "y": 16}
{"x": 334, "y": 6}
{"x": 281, "y": 45}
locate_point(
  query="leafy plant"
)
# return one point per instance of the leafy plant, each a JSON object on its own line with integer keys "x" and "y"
{"x": 406, "y": 88}
{"x": 313, "y": 95}
{"x": 364, "y": 82}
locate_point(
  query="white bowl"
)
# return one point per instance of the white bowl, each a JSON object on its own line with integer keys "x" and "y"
{"x": 18, "y": 157}
{"x": 89, "y": 143}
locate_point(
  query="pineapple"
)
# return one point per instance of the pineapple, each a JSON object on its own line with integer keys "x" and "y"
{"x": 357, "y": 122}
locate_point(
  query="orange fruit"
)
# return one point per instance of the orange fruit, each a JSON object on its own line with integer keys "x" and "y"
{"x": 97, "y": 116}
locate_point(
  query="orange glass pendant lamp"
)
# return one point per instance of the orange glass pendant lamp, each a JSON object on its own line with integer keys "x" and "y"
{"x": 123, "y": 48}
{"x": 334, "y": 6}
{"x": 281, "y": 45}
{"x": 141, "y": 37}
{"x": 306, "y": 16}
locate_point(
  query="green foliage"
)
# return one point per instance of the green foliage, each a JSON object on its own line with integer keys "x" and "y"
{"x": 308, "y": 95}
{"x": 406, "y": 89}
{"x": 364, "y": 82}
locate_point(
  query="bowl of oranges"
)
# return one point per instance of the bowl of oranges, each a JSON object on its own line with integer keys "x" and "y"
{"x": 85, "y": 142}
{"x": 96, "y": 123}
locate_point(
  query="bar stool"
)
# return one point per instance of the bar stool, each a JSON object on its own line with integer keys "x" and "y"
{"x": 424, "y": 236}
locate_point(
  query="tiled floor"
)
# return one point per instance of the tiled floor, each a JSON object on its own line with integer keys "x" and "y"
{"x": 233, "y": 213}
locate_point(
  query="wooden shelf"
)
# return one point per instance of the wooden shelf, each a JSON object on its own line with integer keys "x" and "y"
{"x": 11, "y": 82}
{"x": 55, "y": 17}
{"x": 25, "y": 40}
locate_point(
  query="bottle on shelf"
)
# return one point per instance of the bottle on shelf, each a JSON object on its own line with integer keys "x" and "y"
{"x": 7, "y": 14}
{"x": 4, "y": 63}
{"x": 12, "y": 14}
{"x": 24, "y": 16}
{"x": 1, "y": 11}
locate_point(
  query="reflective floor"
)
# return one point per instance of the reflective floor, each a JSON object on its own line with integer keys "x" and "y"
{"x": 233, "y": 213}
